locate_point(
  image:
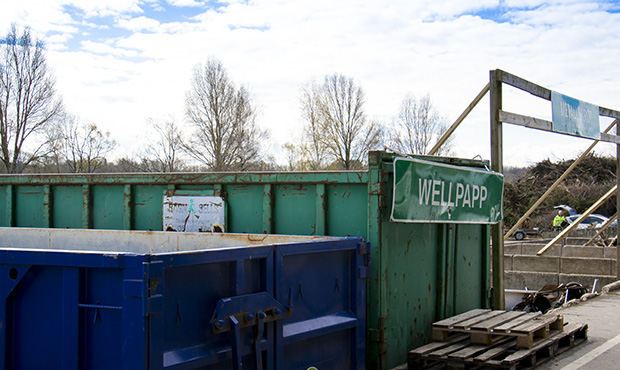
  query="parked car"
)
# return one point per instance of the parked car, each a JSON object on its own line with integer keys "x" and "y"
{"x": 566, "y": 209}
{"x": 593, "y": 220}
{"x": 520, "y": 234}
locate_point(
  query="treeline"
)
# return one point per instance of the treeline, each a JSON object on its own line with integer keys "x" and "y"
{"x": 588, "y": 182}
{"x": 219, "y": 130}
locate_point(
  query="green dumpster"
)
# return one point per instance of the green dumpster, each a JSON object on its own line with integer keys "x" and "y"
{"x": 421, "y": 271}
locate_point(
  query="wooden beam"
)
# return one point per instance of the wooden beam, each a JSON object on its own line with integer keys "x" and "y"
{"x": 602, "y": 229}
{"x": 608, "y": 112}
{"x": 555, "y": 184}
{"x": 531, "y": 122}
{"x": 461, "y": 118}
{"x": 525, "y": 85}
{"x": 544, "y": 125}
{"x": 615, "y": 139}
{"x": 574, "y": 224}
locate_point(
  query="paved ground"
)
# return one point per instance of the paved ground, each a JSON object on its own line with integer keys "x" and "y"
{"x": 602, "y": 349}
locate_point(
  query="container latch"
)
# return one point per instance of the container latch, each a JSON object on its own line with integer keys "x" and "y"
{"x": 235, "y": 313}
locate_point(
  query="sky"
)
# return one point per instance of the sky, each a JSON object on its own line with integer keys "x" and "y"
{"x": 119, "y": 63}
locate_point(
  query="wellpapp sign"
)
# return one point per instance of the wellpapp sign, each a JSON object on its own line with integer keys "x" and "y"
{"x": 427, "y": 191}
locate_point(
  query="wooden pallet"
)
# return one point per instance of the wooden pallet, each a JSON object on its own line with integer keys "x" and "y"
{"x": 459, "y": 352}
{"x": 486, "y": 326}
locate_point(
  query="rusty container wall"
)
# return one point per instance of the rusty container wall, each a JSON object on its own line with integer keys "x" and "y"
{"x": 420, "y": 273}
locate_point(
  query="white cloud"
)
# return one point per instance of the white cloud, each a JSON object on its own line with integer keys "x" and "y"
{"x": 275, "y": 47}
{"x": 41, "y": 16}
{"x": 108, "y": 49}
{"x": 103, "y": 8}
{"x": 57, "y": 41}
{"x": 193, "y": 3}
{"x": 139, "y": 24}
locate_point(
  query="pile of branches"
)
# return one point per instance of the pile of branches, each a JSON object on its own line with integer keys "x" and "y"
{"x": 590, "y": 180}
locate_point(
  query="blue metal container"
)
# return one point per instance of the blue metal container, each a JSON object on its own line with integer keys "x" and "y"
{"x": 97, "y": 299}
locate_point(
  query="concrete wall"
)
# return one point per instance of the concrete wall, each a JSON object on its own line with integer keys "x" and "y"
{"x": 567, "y": 261}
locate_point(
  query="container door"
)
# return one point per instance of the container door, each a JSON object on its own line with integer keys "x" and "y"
{"x": 211, "y": 314}
{"x": 290, "y": 306}
{"x": 326, "y": 287}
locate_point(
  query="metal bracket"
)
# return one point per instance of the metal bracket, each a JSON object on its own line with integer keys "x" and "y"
{"x": 245, "y": 309}
{"x": 235, "y": 313}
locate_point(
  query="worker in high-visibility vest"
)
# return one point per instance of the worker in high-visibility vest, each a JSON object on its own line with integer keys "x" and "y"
{"x": 558, "y": 220}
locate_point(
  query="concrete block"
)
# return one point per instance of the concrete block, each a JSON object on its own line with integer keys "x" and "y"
{"x": 536, "y": 263}
{"x": 571, "y": 240}
{"x": 532, "y": 249}
{"x": 529, "y": 280}
{"x": 587, "y": 266}
{"x": 583, "y": 252}
{"x": 507, "y": 262}
{"x": 536, "y": 280}
{"x": 512, "y": 248}
{"x": 610, "y": 252}
{"x": 588, "y": 233}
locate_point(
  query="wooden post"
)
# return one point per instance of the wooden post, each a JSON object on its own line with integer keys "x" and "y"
{"x": 497, "y": 165}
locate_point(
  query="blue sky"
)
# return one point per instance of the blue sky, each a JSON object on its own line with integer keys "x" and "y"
{"x": 119, "y": 63}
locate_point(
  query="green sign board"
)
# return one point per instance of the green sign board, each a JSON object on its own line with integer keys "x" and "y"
{"x": 574, "y": 117}
{"x": 433, "y": 192}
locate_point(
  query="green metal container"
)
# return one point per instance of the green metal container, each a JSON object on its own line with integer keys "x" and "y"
{"x": 420, "y": 273}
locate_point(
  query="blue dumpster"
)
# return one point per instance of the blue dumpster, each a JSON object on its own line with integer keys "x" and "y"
{"x": 102, "y": 299}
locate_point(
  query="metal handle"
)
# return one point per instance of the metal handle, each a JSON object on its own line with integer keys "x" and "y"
{"x": 235, "y": 313}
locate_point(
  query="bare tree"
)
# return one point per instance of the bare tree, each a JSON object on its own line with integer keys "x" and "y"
{"x": 418, "y": 126}
{"x": 164, "y": 151}
{"x": 314, "y": 147}
{"x": 227, "y": 136}
{"x": 336, "y": 123}
{"x": 28, "y": 103}
{"x": 85, "y": 146}
{"x": 292, "y": 156}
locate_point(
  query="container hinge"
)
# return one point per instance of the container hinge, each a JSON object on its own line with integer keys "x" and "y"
{"x": 154, "y": 301}
{"x": 378, "y": 335}
{"x": 363, "y": 250}
{"x": 251, "y": 310}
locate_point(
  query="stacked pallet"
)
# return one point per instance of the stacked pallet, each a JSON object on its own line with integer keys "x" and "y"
{"x": 496, "y": 339}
